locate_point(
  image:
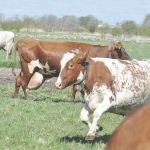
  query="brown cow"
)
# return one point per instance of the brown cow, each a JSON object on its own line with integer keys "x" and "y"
{"x": 133, "y": 133}
{"x": 41, "y": 60}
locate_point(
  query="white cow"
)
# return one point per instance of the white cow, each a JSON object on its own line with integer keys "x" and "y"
{"x": 117, "y": 86}
{"x": 6, "y": 41}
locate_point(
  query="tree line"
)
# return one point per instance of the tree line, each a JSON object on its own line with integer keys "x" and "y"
{"x": 72, "y": 23}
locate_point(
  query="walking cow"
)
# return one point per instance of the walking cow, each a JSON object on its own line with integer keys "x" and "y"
{"x": 117, "y": 86}
{"x": 7, "y": 42}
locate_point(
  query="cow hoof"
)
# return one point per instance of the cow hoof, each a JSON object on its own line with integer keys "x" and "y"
{"x": 73, "y": 100}
{"x": 14, "y": 96}
{"x": 99, "y": 128}
{"x": 90, "y": 137}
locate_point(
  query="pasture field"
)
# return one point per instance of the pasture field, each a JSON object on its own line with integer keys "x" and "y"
{"x": 48, "y": 120}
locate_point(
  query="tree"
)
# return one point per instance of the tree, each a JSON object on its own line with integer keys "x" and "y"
{"x": 104, "y": 29}
{"x": 129, "y": 28}
{"x": 92, "y": 24}
{"x": 145, "y": 28}
{"x": 89, "y": 22}
{"x": 116, "y": 31}
{"x": 70, "y": 23}
{"x": 146, "y": 21}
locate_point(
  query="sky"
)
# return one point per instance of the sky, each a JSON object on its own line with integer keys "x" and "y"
{"x": 107, "y": 11}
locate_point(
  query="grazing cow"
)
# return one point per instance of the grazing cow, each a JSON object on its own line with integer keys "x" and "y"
{"x": 117, "y": 86}
{"x": 133, "y": 133}
{"x": 41, "y": 59}
{"x": 7, "y": 42}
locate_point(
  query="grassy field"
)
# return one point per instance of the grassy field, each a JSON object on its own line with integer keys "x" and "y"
{"x": 48, "y": 120}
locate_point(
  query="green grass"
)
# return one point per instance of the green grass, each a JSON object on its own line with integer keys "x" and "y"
{"x": 48, "y": 120}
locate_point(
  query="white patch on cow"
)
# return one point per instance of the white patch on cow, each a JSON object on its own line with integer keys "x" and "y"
{"x": 44, "y": 70}
{"x": 98, "y": 95}
{"x": 66, "y": 57}
{"x": 129, "y": 91}
{"x": 35, "y": 81}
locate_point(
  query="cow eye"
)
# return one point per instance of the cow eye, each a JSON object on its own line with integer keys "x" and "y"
{"x": 70, "y": 66}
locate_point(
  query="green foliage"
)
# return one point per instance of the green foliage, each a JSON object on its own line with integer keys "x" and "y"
{"x": 129, "y": 28}
{"x": 92, "y": 29}
{"x": 89, "y": 22}
{"x": 10, "y": 25}
{"x": 146, "y": 31}
{"x": 83, "y": 21}
{"x": 116, "y": 31}
{"x": 104, "y": 29}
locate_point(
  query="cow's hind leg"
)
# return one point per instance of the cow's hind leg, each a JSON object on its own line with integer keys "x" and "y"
{"x": 17, "y": 86}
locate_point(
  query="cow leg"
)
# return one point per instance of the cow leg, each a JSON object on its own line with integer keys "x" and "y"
{"x": 105, "y": 105}
{"x": 6, "y": 49}
{"x": 84, "y": 116}
{"x": 74, "y": 90}
{"x": 21, "y": 80}
{"x": 17, "y": 86}
{"x": 10, "y": 49}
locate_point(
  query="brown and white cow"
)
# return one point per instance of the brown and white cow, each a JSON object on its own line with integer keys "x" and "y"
{"x": 117, "y": 86}
{"x": 133, "y": 133}
{"x": 41, "y": 60}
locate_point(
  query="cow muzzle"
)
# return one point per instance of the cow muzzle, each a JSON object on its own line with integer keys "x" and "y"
{"x": 58, "y": 85}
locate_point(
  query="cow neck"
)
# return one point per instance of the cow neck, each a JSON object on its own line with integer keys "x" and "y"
{"x": 84, "y": 75}
{"x": 109, "y": 51}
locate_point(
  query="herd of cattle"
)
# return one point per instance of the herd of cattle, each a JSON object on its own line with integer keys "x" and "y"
{"x": 107, "y": 78}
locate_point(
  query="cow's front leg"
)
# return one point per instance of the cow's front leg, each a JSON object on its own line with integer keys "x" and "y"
{"x": 93, "y": 126}
{"x": 84, "y": 116}
{"x": 74, "y": 90}
{"x": 102, "y": 107}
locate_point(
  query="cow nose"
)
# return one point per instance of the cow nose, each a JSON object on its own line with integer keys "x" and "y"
{"x": 58, "y": 85}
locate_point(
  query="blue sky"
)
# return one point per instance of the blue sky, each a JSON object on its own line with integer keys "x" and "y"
{"x": 108, "y": 11}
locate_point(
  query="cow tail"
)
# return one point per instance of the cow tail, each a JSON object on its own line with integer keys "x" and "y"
{"x": 15, "y": 49}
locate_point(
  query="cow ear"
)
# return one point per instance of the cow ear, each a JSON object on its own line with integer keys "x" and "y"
{"x": 119, "y": 45}
{"x": 82, "y": 57}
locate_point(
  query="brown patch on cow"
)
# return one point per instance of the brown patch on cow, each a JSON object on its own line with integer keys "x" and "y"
{"x": 111, "y": 99}
{"x": 102, "y": 75}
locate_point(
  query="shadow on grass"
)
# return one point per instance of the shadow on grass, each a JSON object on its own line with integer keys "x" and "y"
{"x": 67, "y": 101}
{"x": 104, "y": 139}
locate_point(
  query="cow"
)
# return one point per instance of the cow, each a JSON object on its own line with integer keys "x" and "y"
{"x": 109, "y": 85}
{"x": 41, "y": 60}
{"x": 7, "y": 42}
{"x": 133, "y": 133}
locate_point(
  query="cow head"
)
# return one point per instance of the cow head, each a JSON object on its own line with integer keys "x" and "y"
{"x": 72, "y": 68}
{"x": 119, "y": 49}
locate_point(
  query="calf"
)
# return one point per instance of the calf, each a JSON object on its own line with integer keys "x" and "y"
{"x": 117, "y": 86}
{"x": 133, "y": 133}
